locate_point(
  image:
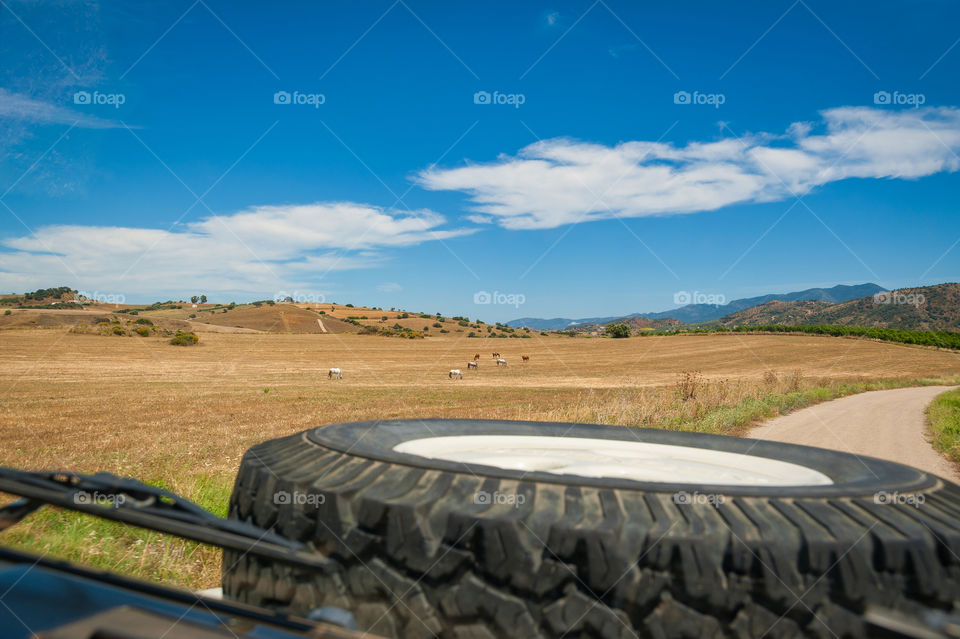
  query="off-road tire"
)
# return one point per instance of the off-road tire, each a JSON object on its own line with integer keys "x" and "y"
{"x": 585, "y": 557}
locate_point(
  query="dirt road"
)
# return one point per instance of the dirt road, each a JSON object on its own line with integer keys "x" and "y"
{"x": 887, "y": 424}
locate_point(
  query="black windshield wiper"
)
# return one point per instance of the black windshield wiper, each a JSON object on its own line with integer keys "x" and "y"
{"x": 133, "y": 502}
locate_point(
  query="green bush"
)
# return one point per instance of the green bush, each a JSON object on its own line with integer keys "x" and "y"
{"x": 118, "y": 330}
{"x": 143, "y": 331}
{"x": 618, "y": 330}
{"x": 8, "y": 312}
{"x": 145, "y": 321}
{"x": 184, "y": 338}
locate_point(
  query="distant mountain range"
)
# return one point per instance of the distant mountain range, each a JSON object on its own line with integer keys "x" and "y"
{"x": 694, "y": 313}
{"x": 926, "y": 308}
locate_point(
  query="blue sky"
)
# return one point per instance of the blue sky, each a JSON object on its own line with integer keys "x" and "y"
{"x": 585, "y": 158}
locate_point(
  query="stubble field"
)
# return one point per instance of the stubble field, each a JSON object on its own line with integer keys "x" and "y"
{"x": 182, "y": 417}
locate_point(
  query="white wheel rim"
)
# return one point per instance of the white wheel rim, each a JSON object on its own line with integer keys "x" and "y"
{"x": 614, "y": 458}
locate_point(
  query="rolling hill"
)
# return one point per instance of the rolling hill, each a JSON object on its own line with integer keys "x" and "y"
{"x": 925, "y": 308}
{"x": 693, "y": 313}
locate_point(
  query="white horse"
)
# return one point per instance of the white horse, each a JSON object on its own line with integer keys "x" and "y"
{"x": 473, "y": 365}
{"x": 334, "y": 372}
{"x": 501, "y": 362}
{"x": 455, "y": 373}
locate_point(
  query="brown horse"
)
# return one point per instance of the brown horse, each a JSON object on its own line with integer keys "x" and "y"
{"x": 476, "y": 357}
{"x": 525, "y": 358}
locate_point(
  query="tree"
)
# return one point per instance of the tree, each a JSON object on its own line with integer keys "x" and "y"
{"x": 194, "y": 299}
{"x": 203, "y": 299}
{"x": 618, "y": 330}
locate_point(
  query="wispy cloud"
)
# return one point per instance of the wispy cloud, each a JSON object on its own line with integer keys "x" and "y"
{"x": 16, "y": 106}
{"x": 563, "y": 181}
{"x": 259, "y": 250}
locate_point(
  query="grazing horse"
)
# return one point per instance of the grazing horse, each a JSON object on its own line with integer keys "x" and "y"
{"x": 525, "y": 358}
{"x": 496, "y": 355}
{"x": 476, "y": 357}
{"x": 335, "y": 372}
{"x": 473, "y": 365}
{"x": 501, "y": 362}
{"x": 455, "y": 373}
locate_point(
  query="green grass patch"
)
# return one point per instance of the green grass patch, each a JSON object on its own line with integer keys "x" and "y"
{"x": 943, "y": 418}
{"x": 125, "y": 549}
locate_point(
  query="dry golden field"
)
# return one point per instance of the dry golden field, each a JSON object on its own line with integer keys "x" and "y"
{"x": 181, "y": 417}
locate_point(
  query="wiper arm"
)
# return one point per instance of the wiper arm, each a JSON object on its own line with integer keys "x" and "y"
{"x": 133, "y": 502}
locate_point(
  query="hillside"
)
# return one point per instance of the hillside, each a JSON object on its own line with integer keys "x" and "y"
{"x": 925, "y": 308}
{"x": 635, "y": 323}
{"x": 63, "y": 306}
{"x": 694, "y": 313}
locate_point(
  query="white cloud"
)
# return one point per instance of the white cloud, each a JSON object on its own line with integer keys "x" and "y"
{"x": 260, "y": 250}
{"x": 389, "y": 287}
{"x": 481, "y": 219}
{"x": 15, "y": 106}
{"x": 562, "y": 181}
